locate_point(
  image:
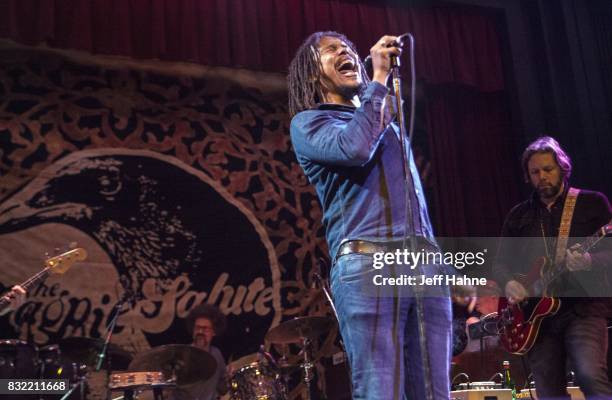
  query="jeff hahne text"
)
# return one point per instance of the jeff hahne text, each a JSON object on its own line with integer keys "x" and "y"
{"x": 407, "y": 258}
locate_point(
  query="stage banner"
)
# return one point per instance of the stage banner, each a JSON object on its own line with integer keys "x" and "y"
{"x": 179, "y": 182}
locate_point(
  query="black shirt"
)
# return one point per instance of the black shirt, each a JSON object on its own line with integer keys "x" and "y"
{"x": 533, "y": 220}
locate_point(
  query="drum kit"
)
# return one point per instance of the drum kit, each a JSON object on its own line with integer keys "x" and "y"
{"x": 267, "y": 378}
{"x": 71, "y": 359}
{"x": 162, "y": 369}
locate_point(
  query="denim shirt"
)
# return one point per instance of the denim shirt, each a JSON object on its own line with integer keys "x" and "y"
{"x": 355, "y": 165}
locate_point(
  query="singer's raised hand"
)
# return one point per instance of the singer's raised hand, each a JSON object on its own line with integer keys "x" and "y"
{"x": 381, "y": 54}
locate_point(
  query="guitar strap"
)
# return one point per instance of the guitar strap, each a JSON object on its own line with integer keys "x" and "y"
{"x": 566, "y": 224}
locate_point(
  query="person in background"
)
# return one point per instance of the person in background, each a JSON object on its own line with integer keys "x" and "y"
{"x": 204, "y": 322}
{"x": 578, "y": 331}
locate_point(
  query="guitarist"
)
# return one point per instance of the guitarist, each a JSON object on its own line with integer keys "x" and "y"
{"x": 16, "y": 297}
{"x": 576, "y": 334}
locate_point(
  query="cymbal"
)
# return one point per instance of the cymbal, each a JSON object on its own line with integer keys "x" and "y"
{"x": 85, "y": 350}
{"x": 297, "y": 329}
{"x": 189, "y": 363}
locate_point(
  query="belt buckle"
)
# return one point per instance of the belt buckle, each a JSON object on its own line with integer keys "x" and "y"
{"x": 352, "y": 247}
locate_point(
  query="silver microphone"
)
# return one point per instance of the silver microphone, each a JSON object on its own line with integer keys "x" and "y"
{"x": 398, "y": 42}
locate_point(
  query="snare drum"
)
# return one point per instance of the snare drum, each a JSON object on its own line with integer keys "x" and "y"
{"x": 136, "y": 380}
{"x": 141, "y": 385}
{"x": 257, "y": 381}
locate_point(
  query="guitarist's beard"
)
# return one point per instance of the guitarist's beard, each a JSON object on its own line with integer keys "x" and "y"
{"x": 549, "y": 191}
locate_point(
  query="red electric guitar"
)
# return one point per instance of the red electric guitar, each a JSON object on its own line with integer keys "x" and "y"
{"x": 520, "y": 323}
{"x": 54, "y": 265}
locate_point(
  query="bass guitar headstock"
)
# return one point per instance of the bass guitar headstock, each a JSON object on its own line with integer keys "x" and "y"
{"x": 62, "y": 262}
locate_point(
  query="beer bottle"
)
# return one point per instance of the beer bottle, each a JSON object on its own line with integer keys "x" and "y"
{"x": 508, "y": 381}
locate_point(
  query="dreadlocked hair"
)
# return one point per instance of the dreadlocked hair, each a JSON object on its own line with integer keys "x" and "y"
{"x": 304, "y": 79}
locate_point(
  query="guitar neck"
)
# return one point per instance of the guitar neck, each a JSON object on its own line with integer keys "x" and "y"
{"x": 28, "y": 285}
{"x": 36, "y": 279}
{"x": 585, "y": 246}
{"x": 591, "y": 241}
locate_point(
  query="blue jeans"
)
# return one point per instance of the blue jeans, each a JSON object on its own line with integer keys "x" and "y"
{"x": 381, "y": 336}
{"x": 580, "y": 340}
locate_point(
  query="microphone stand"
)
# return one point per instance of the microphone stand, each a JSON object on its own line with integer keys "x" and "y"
{"x": 327, "y": 291}
{"x": 404, "y": 138}
{"x": 109, "y": 331}
{"x": 327, "y": 295}
{"x": 102, "y": 354}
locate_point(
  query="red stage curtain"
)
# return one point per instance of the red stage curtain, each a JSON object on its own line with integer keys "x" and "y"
{"x": 476, "y": 177}
{"x": 453, "y": 44}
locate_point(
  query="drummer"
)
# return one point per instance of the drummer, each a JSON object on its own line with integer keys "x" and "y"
{"x": 16, "y": 297}
{"x": 205, "y": 322}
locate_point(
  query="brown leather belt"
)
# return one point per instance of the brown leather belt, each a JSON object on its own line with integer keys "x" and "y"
{"x": 368, "y": 247}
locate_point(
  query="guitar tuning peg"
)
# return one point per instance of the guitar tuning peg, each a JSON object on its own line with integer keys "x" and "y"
{"x": 57, "y": 250}
{"x": 72, "y": 245}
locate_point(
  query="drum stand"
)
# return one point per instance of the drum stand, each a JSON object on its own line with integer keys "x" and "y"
{"x": 309, "y": 371}
{"x": 80, "y": 385}
{"x": 128, "y": 394}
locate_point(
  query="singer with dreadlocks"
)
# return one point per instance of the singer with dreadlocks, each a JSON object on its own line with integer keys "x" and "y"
{"x": 349, "y": 148}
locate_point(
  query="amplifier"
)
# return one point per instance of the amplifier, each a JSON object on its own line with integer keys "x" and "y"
{"x": 574, "y": 392}
{"x": 482, "y": 394}
{"x": 479, "y": 385}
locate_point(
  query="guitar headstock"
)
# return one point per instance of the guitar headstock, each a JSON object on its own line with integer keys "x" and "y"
{"x": 62, "y": 263}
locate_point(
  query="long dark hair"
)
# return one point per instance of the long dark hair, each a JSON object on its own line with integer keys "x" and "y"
{"x": 547, "y": 144}
{"x": 304, "y": 79}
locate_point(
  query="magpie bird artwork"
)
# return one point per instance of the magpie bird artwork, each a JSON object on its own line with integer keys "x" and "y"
{"x": 169, "y": 231}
